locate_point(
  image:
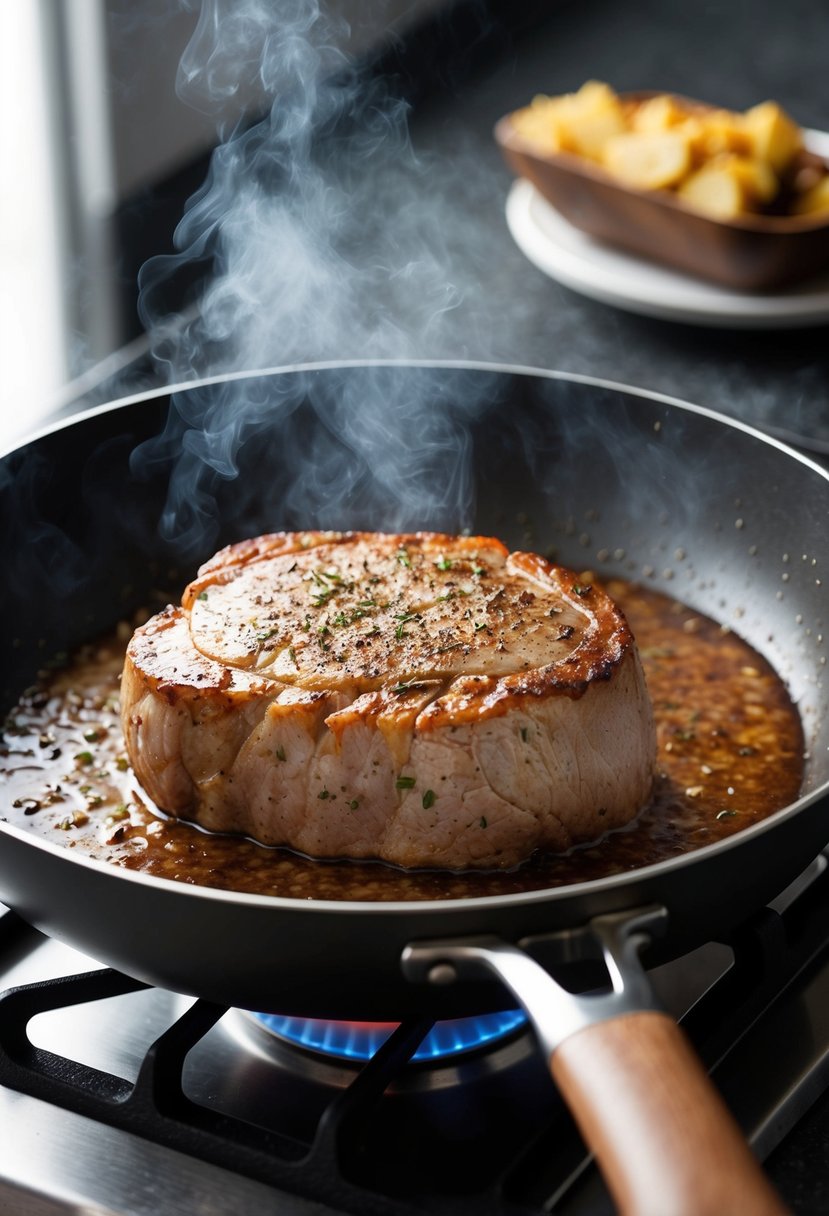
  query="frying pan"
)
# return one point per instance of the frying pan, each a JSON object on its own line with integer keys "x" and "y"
{"x": 100, "y": 511}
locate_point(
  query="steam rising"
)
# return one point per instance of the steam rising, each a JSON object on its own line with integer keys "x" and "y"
{"x": 327, "y": 237}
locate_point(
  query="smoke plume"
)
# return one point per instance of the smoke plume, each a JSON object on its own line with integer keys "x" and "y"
{"x": 324, "y": 234}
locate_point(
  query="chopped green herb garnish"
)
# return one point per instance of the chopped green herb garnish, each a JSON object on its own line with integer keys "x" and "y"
{"x": 403, "y": 619}
{"x": 403, "y": 557}
{"x": 202, "y": 595}
{"x": 92, "y": 735}
{"x": 354, "y": 803}
{"x": 524, "y": 733}
{"x": 582, "y": 588}
{"x": 84, "y": 758}
{"x": 405, "y": 783}
{"x": 428, "y": 799}
{"x": 323, "y": 794}
{"x": 444, "y": 563}
{"x": 280, "y": 753}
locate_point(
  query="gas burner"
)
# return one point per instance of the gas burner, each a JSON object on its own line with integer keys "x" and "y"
{"x": 359, "y": 1041}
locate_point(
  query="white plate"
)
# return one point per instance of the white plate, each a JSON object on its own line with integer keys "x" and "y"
{"x": 636, "y": 285}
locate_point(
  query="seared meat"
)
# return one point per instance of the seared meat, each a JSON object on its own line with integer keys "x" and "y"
{"x": 423, "y": 699}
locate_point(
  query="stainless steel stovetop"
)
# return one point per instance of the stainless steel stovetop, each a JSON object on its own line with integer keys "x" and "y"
{"x": 257, "y": 1125}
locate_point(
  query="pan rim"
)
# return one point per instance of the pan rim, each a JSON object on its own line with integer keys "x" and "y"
{"x": 571, "y": 891}
{"x": 514, "y": 369}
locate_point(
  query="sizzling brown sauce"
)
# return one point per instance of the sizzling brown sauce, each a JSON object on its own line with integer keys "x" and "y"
{"x": 730, "y": 754}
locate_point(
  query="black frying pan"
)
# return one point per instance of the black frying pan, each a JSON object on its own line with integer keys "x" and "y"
{"x": 105, "y": 507}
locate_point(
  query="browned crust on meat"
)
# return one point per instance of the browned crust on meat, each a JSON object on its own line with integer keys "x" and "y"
{"x": 391, "y": 656}
{"x": 198, "y": 678}
{"x": 597, "y": 657}
{"x": 228, "y": 562}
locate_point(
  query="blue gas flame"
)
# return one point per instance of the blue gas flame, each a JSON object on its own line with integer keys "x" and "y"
{"x": 360, "y": 1040}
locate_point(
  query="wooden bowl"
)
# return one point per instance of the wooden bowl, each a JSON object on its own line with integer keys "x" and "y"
{"x": 750, "y": 253}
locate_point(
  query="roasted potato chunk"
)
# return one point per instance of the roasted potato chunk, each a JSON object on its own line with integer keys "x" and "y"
{"x": 815, "y": 200}
{"x": 648, "y": 160}
{"x": 579, "y": 122}
{"x": 774, "y": 137}
{"x": 715, "y": 189}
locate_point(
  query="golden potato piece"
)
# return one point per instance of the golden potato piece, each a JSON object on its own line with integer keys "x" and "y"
{"x": 730, "y": 185}
{"x": 773, "y": 135}
{"x": 715, "y": 189}
{"x": 658, "y": 113}
{"x": 759, "y": 181}
{"x": 538, "y": 125}
{"x": 815, "y": 200}
{"x": 589, "y": 118}
{"x": 722, "y": 131}
{"x": 579, "y": 122}
{"x": 589, "y": 134}
{"x": 652, "y": 160}
{"x": 594, "y": 97}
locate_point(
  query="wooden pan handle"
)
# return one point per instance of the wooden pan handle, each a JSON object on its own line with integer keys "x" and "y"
{"x": 663, "y": 1138}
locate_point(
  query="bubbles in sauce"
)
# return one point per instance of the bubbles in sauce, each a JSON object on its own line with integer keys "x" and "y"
{"x": 730, "y": 753}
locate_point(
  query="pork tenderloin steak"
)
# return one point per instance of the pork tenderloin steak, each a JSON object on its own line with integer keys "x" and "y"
{"x": 422, "y": 699}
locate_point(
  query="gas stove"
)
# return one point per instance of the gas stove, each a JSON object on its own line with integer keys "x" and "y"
{"x": 126, "y": 1100}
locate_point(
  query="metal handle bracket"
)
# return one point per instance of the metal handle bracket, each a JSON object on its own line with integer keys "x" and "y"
{"x": 555, "y": 1012}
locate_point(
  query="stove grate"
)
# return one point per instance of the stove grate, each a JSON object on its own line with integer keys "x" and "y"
{"x": 157, "y": 1108}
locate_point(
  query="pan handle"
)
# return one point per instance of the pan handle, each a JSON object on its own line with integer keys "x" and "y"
{"x": 663, "y": 1138}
